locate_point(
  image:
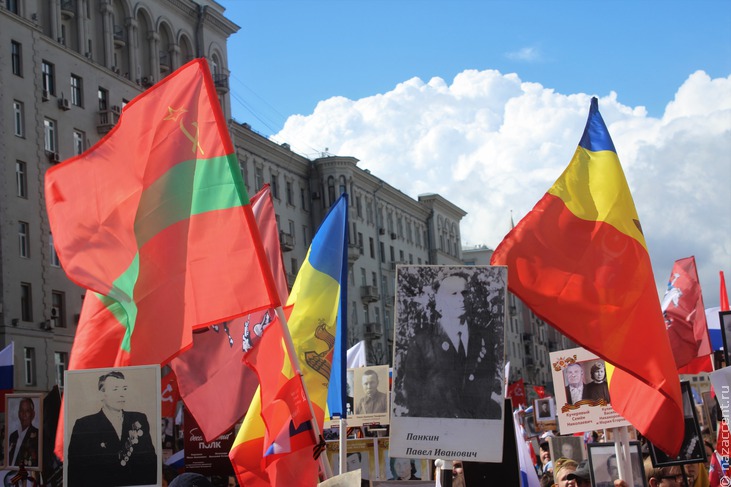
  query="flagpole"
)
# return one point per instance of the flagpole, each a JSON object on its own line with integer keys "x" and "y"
{"x": 296, "y": 365}
{"x": 621, "y": 449}
{"x": 343, "y": 444}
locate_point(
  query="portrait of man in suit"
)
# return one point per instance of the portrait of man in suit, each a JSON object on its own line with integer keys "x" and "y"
{"x": 450, "y": 364}
{"x": 373, "y": 401}
{"x": 114, "y": 446}
{"x": 23, "y": 441}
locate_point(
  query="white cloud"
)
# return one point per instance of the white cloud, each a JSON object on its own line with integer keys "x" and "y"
{"x": 492, "y": 143}
{"x": 524, "y": 54}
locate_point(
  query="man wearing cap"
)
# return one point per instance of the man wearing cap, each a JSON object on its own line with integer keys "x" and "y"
{"x": 581, "y": 475}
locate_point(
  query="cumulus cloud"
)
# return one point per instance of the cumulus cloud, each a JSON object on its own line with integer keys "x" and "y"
{"x": 492, "y": 143}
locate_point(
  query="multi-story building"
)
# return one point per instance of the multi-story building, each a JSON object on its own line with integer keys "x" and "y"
{"x": 67, "y": 67}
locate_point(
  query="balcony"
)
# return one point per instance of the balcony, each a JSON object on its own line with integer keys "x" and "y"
{"x": 68, "y": 9}
{"x": 372, "y": 330}
{"x": 369, "y": 294}
{"x": 220, "y": 81}
{"x": 286, "y": 241}
{"x": 120, "y": 36}
{"x": 164, "y": 61}
{"x": 353, "y": 253}
{"x": 107, "y": 120}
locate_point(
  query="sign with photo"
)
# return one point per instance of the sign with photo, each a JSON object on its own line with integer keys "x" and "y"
{"x": 567, "y": 447}
{"x": 367, "y": 397}
{"x": 544, "y": 412}
{"x": 100, "y": 402}
{"x": 24, "y": 431}
{"x": 582, "y": 392}
{"x": 359, "y": 456}
{"x": 448, "y": 363}
{"x": 603, "y": 464}
{"x": 692, "y": 450}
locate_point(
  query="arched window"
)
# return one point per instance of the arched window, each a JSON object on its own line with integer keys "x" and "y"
{"x": 331, "y": 189}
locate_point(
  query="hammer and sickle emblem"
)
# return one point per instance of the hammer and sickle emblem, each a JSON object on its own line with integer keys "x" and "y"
{"x": 176, "y": 114}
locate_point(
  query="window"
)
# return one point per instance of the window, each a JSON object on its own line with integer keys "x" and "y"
{"x": 374, "y": 279}
{"x": 363, "y": 281}
{"x": 21, "y": 179}
{"x": 26, "y": 302}
{"x": 23, "y": 239}
{"x": 288, "y": 190}
{"x": 103, "y": 96}
{"x": 79, "y": 145}
{"x": 360, "y": 243}
{"x": 54, "y": 255}
{"x": 372, "y": 247}
{"x": 275, "y": 186}
{"x": 60, "y": 359}
{"x": 16, "y": 58}
{"x": 29, "y": 356}
{"x": 358, "y": 207}
{"x": 76, "y": 91}
{"x": 19, "y": 119}
{"x": 294, "y": 265}
{"x": 13, "y": 6}
{"x": 303, "y": 199}
{"x": 49, "y": 78}
{"x": 383, "y": 251}
{"x": 49, "y": 135}
{"x": 258, "y": 178}
{"x": 305, "y": 236}
{"x": 58, "y": 309}
{"x": 369, "y": 212}
{"x": 393, "y": 256}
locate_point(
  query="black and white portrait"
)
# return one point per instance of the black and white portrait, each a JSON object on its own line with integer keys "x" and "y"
{"x": 603, "y": 464}
{"x": 448, "y": 368}
{"x": 544, "y": 409}
{"x": 371, "y": 390}
{"x": 24, "y": 430}
{"x": 449, "y": 342}
{"x": 692, "y": 449}
{"x": 113, "y": 431}
{"x": 567, "y": 447}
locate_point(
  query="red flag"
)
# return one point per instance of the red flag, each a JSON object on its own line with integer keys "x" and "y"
{"x": 715, "y": 471}
{"x": 540, "y": 391}
{"x": 516, "y": 391}
{"x": 580, "y": 262}
{"x": 685, "y": 314}
{"x": 212, "y": 375}
{"x": 154, "y": 218}
{"x": 170, "y": 395}
{"x": 724, "y": 294}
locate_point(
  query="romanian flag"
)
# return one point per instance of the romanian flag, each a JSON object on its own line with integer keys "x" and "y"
{"x": 155, "y": 218}
{"x": 580, "y": 261}
{"x": 270, "y": 446}
{"x": 156, "y": 221}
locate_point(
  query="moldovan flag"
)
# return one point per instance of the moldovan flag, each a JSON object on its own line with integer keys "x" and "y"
{"x": 7, "y": 361}
{"x": 685, "y": 315}
{"x": 155, "y": 219}
{"x": 580, "y": 262}
{"x": 211, "y": 374}
{"x": 271, "y": 451}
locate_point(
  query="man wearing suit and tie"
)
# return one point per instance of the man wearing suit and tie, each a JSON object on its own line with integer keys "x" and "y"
{"x": 449, "y": 365}
{"x": 23, "y": 442}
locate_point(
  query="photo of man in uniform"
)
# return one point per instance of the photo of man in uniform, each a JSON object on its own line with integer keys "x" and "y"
{"x": 373, "y": 401}
{"x": 114, "y": 446}
{"x": 450, "y": 363}
{"x": 23, "y": 441}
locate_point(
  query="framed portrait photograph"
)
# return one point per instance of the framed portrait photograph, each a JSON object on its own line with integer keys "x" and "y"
{"x": 371, "y": 394}
{"x": 724, "y": 318}
{"x": 448, "y": 362}
{"x": 23, "y": 443}
{"x": 566, "y": 447}
{"x": 359, "y": 456}
{"x": 529, "y": 423}
{"x": 603, "y": 464}
{"x": 692, "y": 449}
{"x": 545, "y": 409}
{"x": 98, "y": 404}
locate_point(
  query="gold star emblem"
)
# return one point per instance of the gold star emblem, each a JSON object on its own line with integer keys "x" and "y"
{"x": 174, "y": 113}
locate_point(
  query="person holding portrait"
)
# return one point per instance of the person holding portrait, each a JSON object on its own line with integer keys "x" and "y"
{"x": 112, "y": 447}
{"x": 23, "y": 442}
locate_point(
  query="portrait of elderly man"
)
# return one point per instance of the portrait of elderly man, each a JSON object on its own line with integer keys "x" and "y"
{"x": 23, "y": 442}
{"x": 451, "y": 361}
{"x": 373, "y": 401}
{"x": 574, "y": 380}
{"x": 113, "y": 447}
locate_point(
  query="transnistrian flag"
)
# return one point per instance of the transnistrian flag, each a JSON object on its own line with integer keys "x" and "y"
{"x": 579, "y": 260}
{"x": 270, "y": 448}
{"x": 156, "y": 221}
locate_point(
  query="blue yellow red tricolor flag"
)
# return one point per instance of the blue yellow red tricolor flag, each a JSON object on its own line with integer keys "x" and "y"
{"x": 579, "y": 260}
{"x": 270, "y": 448}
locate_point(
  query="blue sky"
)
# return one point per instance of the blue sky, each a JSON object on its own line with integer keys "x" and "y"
{"x": 484, "y": 102}
{"x": 290, "y": 54}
